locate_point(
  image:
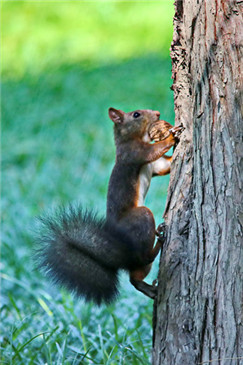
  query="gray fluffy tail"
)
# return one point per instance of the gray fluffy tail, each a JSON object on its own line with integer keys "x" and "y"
{"x": 82, "y": 253}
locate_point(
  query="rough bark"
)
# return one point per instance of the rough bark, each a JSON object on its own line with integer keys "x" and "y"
{"x": 198, "y": 313}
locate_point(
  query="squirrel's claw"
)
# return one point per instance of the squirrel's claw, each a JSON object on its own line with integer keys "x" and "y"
{"x": 160, "y": 231}
{"x": 155, "y": 283}
{"x": 176, "y": 131}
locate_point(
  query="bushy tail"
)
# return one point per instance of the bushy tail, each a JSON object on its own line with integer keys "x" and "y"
{"x": 82, "y": 253}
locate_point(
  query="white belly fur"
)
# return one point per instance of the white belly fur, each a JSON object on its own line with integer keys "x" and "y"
{"x": 145, "y": 176}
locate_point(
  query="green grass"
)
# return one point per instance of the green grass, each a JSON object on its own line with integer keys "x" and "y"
{"x": 57, "y": 147}
{"x": 47, "y": 33}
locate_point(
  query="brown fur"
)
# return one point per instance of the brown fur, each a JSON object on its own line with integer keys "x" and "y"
{"x": 84, "y": 253}
{"x": 132, "y": 153}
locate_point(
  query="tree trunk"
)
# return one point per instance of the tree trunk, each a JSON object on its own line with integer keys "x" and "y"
{"x": 198, "y": 312}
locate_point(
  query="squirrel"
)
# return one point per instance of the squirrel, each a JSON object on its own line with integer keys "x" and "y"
{"x": 84, "y": 253}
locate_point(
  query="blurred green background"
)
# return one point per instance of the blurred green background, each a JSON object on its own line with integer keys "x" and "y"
{"x": 63, "y": 65}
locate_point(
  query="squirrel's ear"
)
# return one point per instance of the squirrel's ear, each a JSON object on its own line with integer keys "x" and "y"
{"x": 116, "y": 115}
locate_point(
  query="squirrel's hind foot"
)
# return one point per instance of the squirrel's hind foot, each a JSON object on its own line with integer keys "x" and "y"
{"x": 161, "y": 231}
{"x": 148, "y": 290}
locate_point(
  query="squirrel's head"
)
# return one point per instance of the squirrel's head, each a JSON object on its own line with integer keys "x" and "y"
{"x": 134, "y": 124}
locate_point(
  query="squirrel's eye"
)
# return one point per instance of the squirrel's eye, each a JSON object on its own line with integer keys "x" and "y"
{"x": 136, "y": 115}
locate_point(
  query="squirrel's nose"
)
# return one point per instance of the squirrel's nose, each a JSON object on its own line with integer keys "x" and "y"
{"x": 157, "y": 113}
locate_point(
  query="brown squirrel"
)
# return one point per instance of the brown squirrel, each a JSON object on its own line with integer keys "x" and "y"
{"x": 84, "y": 253}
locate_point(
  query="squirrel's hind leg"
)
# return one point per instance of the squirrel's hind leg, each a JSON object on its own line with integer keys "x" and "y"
{"x": 136, "y": 279}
